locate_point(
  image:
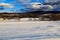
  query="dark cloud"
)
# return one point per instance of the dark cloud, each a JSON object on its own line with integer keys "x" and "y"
{"x": 54, "y": 3}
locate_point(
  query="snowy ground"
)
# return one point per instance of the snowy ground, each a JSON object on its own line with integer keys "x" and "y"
{"x": 33, "y": 30}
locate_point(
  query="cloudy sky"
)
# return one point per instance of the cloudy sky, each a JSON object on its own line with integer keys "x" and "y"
{"x": 18, "y": 5}
{"x": 11, "y": 2}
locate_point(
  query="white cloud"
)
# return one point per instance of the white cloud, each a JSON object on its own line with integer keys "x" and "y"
{"x": 51, "y": 0}
{"x": 24, "y": 1}
{"x": 55, "y": 2}
{"x": 6, "y": 5}
{"x": 28, "y": 5}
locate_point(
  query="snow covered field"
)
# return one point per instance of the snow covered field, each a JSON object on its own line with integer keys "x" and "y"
{"x": 33, "y": 30}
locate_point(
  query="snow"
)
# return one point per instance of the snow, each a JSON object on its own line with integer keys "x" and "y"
{"x": 32, "y": 30}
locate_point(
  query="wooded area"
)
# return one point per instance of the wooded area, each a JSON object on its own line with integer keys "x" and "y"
{"x": 42, "y": 15}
